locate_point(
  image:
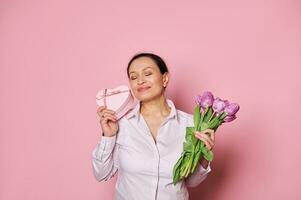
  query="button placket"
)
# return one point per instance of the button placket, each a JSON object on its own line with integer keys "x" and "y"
{"x": 156, "y": 153}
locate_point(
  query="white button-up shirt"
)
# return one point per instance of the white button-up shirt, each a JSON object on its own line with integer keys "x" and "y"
{"x": 145, "y": 167}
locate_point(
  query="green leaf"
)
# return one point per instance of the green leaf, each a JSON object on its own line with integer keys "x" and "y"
{"x": 208, "y": 114}
{"x": 190, "y": 137}
{"x": 189, "y": 165}
{"x": 184, "y": 166}
{"x": 188, "y": 147}
{"x": 222, "y": 116}
{"x": 197, "y": 146}
{"x": 176, "y": 170}
{"x": 196, "y": 115}
{"x": 190, "y": 130}
{"x": 202, "y": 145}
{"x": 196, "y": 161}
{"x": 208, "y": 155}
{"x": 214, "y": 122}
{"x": 202, "y": 119}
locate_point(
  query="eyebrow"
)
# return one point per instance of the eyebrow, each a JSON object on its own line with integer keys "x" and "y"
{"x": 142, "y": 69}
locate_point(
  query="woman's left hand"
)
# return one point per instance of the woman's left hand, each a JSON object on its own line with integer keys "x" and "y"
{"x": 207, "y": 136}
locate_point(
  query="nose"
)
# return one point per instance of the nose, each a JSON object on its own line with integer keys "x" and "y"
{"x": 140, "y": 81}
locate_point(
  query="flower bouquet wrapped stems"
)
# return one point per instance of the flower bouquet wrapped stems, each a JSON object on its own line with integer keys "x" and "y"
{"x": 209, "y": 113}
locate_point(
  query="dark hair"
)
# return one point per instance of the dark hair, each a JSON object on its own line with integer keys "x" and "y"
{"x": 157, "y": 59}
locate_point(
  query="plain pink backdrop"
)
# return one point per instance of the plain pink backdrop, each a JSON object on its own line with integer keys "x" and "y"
{"x": 55, "y": 55}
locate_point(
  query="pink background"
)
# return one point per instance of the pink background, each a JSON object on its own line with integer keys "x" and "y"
{"x": 55, "y": 55}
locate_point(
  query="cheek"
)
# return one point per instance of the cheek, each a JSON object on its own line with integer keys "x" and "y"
{"x": 132, "y": 85}
{"x": 159, "y": 85}
{"x": 156, "y": 81}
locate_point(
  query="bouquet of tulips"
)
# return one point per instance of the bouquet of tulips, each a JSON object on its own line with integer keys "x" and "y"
{"x": 209, "y": 113}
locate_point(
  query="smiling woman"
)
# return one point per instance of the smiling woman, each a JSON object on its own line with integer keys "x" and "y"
{"x": 144, "y": 145}
{"x": 146, "y": 70}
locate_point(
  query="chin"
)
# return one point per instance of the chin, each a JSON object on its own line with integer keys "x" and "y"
{"x": 147, "y": 96}
{"x": 144, "y": 97}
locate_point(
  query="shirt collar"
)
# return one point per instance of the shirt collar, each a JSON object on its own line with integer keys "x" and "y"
{"x": 135, "y": 112}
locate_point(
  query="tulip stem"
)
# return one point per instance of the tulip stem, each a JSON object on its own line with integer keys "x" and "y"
{"x": 211, "y": 116}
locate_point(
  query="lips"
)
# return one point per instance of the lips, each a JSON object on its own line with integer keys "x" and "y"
{"x": 141, "y": 89}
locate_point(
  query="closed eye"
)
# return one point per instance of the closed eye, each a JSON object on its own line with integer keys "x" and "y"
{"x": 148, "y": 74}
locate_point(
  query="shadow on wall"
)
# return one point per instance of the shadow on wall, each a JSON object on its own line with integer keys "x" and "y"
{"x": 216, "y": 178}
{"x": 223, "y": 165}
{"x": 226, "y": 156}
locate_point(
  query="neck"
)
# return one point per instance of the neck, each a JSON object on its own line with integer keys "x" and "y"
{"x": 156, "y": 107}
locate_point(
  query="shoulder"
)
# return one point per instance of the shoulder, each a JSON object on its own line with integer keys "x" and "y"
{"x": 185, "y": 117}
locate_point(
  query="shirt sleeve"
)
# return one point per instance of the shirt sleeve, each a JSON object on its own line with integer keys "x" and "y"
{"x": 198, "y": 176}
{"x": 104, "y": 158}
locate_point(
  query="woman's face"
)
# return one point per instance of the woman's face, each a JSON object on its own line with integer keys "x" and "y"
{"x": 146, "y": 80}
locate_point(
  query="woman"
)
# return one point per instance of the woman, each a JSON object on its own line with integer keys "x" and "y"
{"x": 144, "y": 145}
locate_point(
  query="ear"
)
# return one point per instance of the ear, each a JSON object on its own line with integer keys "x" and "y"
{"x": 165, "y": 79}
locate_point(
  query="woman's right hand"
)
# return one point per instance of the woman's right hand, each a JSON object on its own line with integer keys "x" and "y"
{"x": 108, "y": 121}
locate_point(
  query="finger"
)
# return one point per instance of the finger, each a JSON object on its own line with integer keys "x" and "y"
{"x": 208, "y": 145}
{"x": 203, "y": 135}
{"x": 206, "y": 136}
{"x": 212, "y": 136}
{"x": 104, "y": 111}
{"x": 108, "y": 111}
{"x": 107, "y": 118}
{"x": 104, "y": 115}
{"x": 101, "y": 108}
{"x": 110, "y": 115}
{"x": 210, "y": 132}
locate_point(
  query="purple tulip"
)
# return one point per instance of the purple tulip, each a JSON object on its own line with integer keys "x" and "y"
{"x": 218, "y": 105}
{"x": 229, "y": 118}
{"x": 231, "y": 109}
{"x": 197, "y": 99}
{"x": 226, "y": 102}
{"x": 205, "y": 100}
